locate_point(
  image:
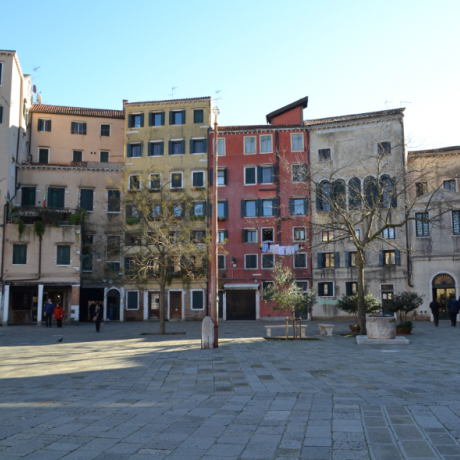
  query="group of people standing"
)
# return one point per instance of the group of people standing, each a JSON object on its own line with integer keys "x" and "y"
{"x": 453, "y": 306}
{"x": 50, "y": 310}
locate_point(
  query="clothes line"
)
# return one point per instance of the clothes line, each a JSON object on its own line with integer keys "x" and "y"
{"x": 269, "y": 248}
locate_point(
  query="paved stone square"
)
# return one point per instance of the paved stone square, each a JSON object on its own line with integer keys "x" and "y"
{"x": 122, "y": 395}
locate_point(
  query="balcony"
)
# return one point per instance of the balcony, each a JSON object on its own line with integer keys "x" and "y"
{"x": 49, "y": 216}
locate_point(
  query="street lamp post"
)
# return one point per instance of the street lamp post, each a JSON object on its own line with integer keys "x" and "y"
{"x": 214, "y": 234}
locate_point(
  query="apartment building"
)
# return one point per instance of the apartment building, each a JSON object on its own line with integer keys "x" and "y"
{"x": 263, "y": 209}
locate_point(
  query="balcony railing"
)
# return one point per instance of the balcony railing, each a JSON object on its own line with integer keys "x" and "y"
{"x": 50, "y": 216}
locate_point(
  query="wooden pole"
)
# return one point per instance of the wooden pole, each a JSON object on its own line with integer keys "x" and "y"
{"x": 214, "y": 235}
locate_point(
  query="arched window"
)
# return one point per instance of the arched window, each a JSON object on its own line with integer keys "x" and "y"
{"x": 354, "y": 193}
{"x": 371, "y": 191}
{"x": 323, "y": 196}
{"x": 339, "y": 193}
{"x": 387, "y": 198}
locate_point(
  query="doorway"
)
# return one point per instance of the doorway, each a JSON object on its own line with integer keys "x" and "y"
{"x": 154, "y": 305}
{"x": 221, "y": 304}
{"x": 113, "y": 305}
{"x": 443, "y": 290}
{"x": 175, "y": 304}
{"x": 387, "y": 298}
{"x": 241, "y": 305}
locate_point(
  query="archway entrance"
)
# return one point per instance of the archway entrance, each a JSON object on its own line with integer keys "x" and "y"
{"x": 443, "y": 290}
{"x": 113, "y": 305}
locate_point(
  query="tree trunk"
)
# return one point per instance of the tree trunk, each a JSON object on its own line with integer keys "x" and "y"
{"x": 361, "y": 306}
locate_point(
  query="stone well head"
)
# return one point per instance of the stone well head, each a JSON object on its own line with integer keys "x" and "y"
{"x": 381, "y": 327}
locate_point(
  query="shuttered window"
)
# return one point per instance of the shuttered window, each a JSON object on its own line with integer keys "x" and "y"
{"x": 326, "y": 289}
{"x": 105, "y": 130}
{"x": 63, "y": 255}
{"x": 197, "y": 300}
{"x": 197, "y": 179}
{"x": 77, "y": 155}
{"x": 250, "y": 176}
{"x": 44, "y": 125}
{"x": 155, "y": 181}
{"x": 28, "y": 196}
{"x": 156, "y": 149}
{"x": 198, "y": 116}
{"x": 56, "y": 197}
{"x": 132, "y": 300}
{"x": 104, "y": 157}
{"x": 300, "y": 260}
{"x": 43, "y": 156}
{"x": 78, "y": 128}
{"x": 19, "y": 254}
{"x": 156, "y": 119}
{"x": 86, "y": 199}
{"x": 250, "y": 261}
{"x": 113, "y": 201}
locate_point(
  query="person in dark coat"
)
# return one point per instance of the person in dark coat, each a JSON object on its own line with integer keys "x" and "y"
{"x": 453, "y": 307}
{"x": 92, "y": 310}
{"x": 99, "y": 314}
{"x": 435, "y": 306}
{"x": 49, "y": 310}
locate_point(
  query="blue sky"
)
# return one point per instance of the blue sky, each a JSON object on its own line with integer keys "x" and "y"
{"x": 347, "y": 56}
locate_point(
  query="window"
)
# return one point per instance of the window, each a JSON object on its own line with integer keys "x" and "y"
{"x": 132, "y": 239}
{"x": 324, "y": 154}
{"x": 351, "y": 288}
{"x": 222, "y": 176}
{"x": 44, "y": 125}
{"x": 198, "y": 116}
{"x": 198, "y": 236}
{"x": 1, "y": 107}
{"x": 265, "y": 285}
{"x": 176, "y": 180}
{"x": 421, "y": 188}
{"x": 422, "y": 226}
{"x": 155, "y": 181}
{"x": 222, "y": 210}
{"x": 197, "y": 145}
{"x": 221, "y": 146}
{"x": 87, "y": 262}
{"x": 177, "y": 147}
{"x": 28, "y": 196}
{"x": 221, "y": 262}
{"x": 328, "y": 236}
{"x": 266, "y": 144}
{"x": 198, "y": 179}
{"x": 136, "y": 120}
{"x": 55, "y": 197}
{"x": 302, "y": 286}
{"x": 19, "y": 254}
{"x": 174, "y": 237}
{"x": 198, "y": 209}
{"x": 86, "y": 199}
{"x": 249, "y": 208}
{"x": 156, "y": 211}
{"x": 178, "y": 210}
{"x": 455, "y": 222}
{"x": 449, "y": 185}
{"x": 268, "y": 207}
{"x": 249, "y": 145}
{"x": 299, "y": 233}
{"x": 77, "y": 155}
{"x": 326, "y": 289}
{"x": 389, "y": 257}
{"x": 113, "y": 248}
{"x": 249, "y": 236}
{"x": 298, "y": 206}
{"x": 323, "y": 195}
{"x": 266, "y": 174}
{"x": 389, "y": 233}
{"x": 177, "y": 118}
{"x": 296, "y": 142}
{"x": 105, "y": 130}
{"x": 132, "y": 300}
{"x": 1, "y": 73}
{"x": 156, "y": 119}
{"x": 43, "y": 156}
{"x": 135, "y": 182}
{"x": 357, "y": 234}
{"x": 221, "y": 236}
{"x": 300, "y": 260}
{"x": 130, "y": 263}
{"x": 113, "y": 198}
{"x": 250, "y": 176}
{"x": 78, "y": 128}
{"x": 63, "y": 255}
{"x": 156, "y": 149}
{"x": 299, "y": 173}
{"x": 197, "y": 299}
{"x": 134, "y": 150}
{"x": 250, "y": 261}
{"x": 104, "y": 157}
{"x": 268, "y": 261}
{"x": 351, "y": 259}
{"x": 131, "y": 211}
{"x": 267, "y": 235}
{"x": 384, "y": 148}
{"x": 328, "y": 260}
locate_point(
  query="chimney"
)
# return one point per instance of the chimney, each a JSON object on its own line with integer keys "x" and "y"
{"x": 125, "y": 101}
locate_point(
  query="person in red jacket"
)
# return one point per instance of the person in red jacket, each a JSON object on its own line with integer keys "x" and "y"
{"x": 59, "y": 314}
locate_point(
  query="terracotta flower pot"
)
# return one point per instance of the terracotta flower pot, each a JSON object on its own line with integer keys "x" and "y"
{"x": 403, "y": 330}
{"x": 353, "y": 328}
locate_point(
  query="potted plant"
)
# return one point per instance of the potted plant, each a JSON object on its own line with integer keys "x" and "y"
{"x": 349, "y": 304}
{"x": 404, "y": 303}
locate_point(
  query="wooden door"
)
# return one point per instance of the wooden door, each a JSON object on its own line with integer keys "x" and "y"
{"x": 154, "y": 305}
{"x": 241, "y": 305}
{"x": 175, "y": 305}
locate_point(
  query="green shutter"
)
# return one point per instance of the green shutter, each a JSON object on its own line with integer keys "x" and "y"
{"x": 19, "y": 254}
{"x": 150, "y": 119}
{"x": 381, "y": 258}
{"x": 205, "y": 145}
{"x": 1, "y": 114}
{"x": 245, "y": 235}
{"x": 225, "y": 176}
{"x": 243, "y": 208}
{"x": 274, "y": 207}
{"x": 259, "y": 175}
{"x": 150, "y": 147}
{"x": 72, "y": 128}
{"x": 398, "y": 257}
{"x": 320, "y": 289}
{"x": 171, "y": 117}
{"x": 319, "y": 256}
{"x": 336, "y": 259}
{"x": 60, "y": 197}
{"x": 86, "y": 199}
{"x": 226, "y": 209}
{"x": 170, "y": 148}
{"x": 183, "y": 147}
{"x": 129, "y": 151}
{"x": 142, "y": 120}
{"x": 183, "y": 117}
{"x": 211, "y": 176}
{"x": 305, "y": 206}
{"x": 40, "y": 124}
{"x": 49, "y": 125}
{"x": 162, "y": 148}
{"x": 347, "y": 260}
{"x": 84, "y": 128}
{"x": 226, "y": 234}
{"x": 349, "y": 290}
{"x": 162, "y": 118}
{"x": 192, "y": 146}
{"x": 63, "y": 255}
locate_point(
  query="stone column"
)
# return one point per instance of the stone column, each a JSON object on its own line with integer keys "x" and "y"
{"x": 224, "y": 312}
{"x": 122, "y": 304}
{"x": 105, "y": 303}
{"x": 6, "y": 304}
{"x": 40, "y": 305}
{"x": 75, "y": 303}
{"x": 257, "y": 305}
{"x": 146, "y": 306}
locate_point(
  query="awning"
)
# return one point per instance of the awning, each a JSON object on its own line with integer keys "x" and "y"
{"x": 241, "y": 287}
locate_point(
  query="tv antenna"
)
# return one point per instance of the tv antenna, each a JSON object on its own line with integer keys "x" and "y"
{"x": 34, "y": 88}
{"x": 405, "y": 102}
{"x": 217, "y": 95}
{"x": 386, "y": 104}
{"x": 172, "y": 91}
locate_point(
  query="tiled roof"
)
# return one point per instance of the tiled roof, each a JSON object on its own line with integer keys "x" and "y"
{"x": 301, "y": 102}
{"x": 259, "y": 127}
{"x": 358, "y": 116}
{"x": 171, "y": 100}
{"x": 78, "y": 111}
{"x": 440, "y": 150}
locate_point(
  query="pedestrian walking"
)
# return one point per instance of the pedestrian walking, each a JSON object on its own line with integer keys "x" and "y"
{"x": 98, "y": 317}
{"x": 92, "y": 309}
{"x": 59, "y": 314}
{"x": 49, "y": 310}
{"x": 435, "y": 306}
{"x": 454, "y": 308}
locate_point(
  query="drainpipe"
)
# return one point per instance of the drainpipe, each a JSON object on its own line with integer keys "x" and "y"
{"x": 278, "y": 180}
{"x": 5, "y": 213}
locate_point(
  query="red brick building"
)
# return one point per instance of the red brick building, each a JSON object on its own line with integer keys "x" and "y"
{"x": 261, "y": 203}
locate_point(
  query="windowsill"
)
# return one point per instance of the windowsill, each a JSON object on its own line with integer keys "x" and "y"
{"x": 266, "y": 183}
{"x": 177, "y": 124}
{"x": 297, "y": 150}
{"x": 201, "y": 153}
{"x": 62, "y": 265}
{"x": 19, "y": 264}
{"x": 155, "y": 126}
{"x": 154, "y": 190}
{"x": 249, "y": 185}
{"x": 300, "y": 268}
{"x": 176, "y": 189}
{"x": 113, "y": 212}
{"x": 264, "y": 153}
{"x": 176, "y": 154}
{"x": 132, "y": 158}
{"x": 153, "y": 156}
{"x": 251, "y": 268}
{"x": 197, "y": 309}
{"x": 271, "y": 268}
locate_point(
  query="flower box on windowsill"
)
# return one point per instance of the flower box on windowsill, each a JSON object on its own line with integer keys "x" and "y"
{"x": 154, "y": 190}
{"x": 197, "y": 217}
{"x": 222, "y": 218}
{"x": 176, "y": 190}
{"x": 197, "y": 189}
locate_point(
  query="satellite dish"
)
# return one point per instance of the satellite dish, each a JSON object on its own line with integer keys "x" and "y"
{"x": 34, "y": 88}
{"x": 39, "y": 99}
